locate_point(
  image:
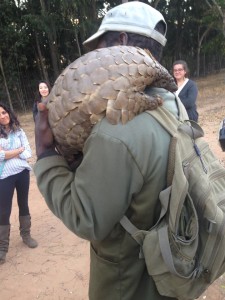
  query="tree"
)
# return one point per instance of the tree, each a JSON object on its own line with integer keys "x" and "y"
{"x": 11, "y": 43}
{"x": 5, "y": 82}
{"x": 219, "y": 7}
{"x": 38, "y": 39}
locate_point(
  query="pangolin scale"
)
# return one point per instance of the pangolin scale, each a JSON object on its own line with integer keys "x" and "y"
{"x": 105, "y": 82}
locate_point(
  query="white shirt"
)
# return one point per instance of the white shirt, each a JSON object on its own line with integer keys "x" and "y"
{"x": 181, "y": 87}
{"x": 14, "y": 165}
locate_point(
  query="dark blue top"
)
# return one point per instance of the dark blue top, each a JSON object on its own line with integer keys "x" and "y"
{"x": 188, "y": 96}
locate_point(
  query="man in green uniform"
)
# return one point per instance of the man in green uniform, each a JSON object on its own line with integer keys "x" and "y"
{"x": 122, "y": 172}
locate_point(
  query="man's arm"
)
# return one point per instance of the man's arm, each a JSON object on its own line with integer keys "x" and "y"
{"x": 93, "y": 199}
{"x": 44, "y": 140}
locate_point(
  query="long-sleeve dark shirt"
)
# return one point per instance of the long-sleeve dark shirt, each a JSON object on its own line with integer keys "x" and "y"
{"x": 188, "y": 96}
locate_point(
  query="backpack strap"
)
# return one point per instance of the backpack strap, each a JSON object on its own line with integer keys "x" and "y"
{"x": 2, "y": 167}
{"x": 164, "y": 199}
{"x": 171, "y": 123}
{"x": 128, "y": 226}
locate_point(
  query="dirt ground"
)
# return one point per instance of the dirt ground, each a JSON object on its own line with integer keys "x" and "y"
{"x": 58, "y": 269}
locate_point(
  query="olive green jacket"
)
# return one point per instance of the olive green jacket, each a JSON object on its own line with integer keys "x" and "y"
{"x": 122, "y": 172}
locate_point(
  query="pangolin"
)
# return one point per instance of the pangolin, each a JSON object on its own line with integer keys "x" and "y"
{"x": 105, "y": 82}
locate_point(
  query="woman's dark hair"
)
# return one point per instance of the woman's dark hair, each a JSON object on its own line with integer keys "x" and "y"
{"x": 137, "y": 40}
{"x": 14, "y": 123}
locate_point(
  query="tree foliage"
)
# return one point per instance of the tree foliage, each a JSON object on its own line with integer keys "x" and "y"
{"x": 39, "y": 38}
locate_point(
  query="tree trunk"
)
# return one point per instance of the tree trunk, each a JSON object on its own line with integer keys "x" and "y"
{"x": 155, "y": 4}
{"x": 220, "y": 9}
{"x": 41, "y": 60}
{"x": 77, "y": 41}
{"x": 52, "y": 42}
{"x": 200, "y": 40}
{"x": 5, "y": 82}
{"x": 54, "y": 54}
{"x": 198, "y": 61}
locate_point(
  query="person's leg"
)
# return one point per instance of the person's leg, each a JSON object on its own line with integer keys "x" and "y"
{"x": 7, "y": 186}
{"x": 6, "y": 196}
{"x": 22, "y": 188}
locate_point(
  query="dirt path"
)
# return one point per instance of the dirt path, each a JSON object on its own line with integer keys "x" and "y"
{"x": 59, "y": 268}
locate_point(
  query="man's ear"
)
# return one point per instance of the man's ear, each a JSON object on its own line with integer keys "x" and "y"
{"x": 123, "y": 38}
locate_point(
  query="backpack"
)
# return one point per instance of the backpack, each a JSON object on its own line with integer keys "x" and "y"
{"x": 185, "y": 250}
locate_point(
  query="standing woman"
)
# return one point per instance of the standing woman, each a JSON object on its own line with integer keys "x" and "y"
{"x": 14, "y": 174}
{"x": 187, "y": 88}
{"x": 43, "y": 91}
